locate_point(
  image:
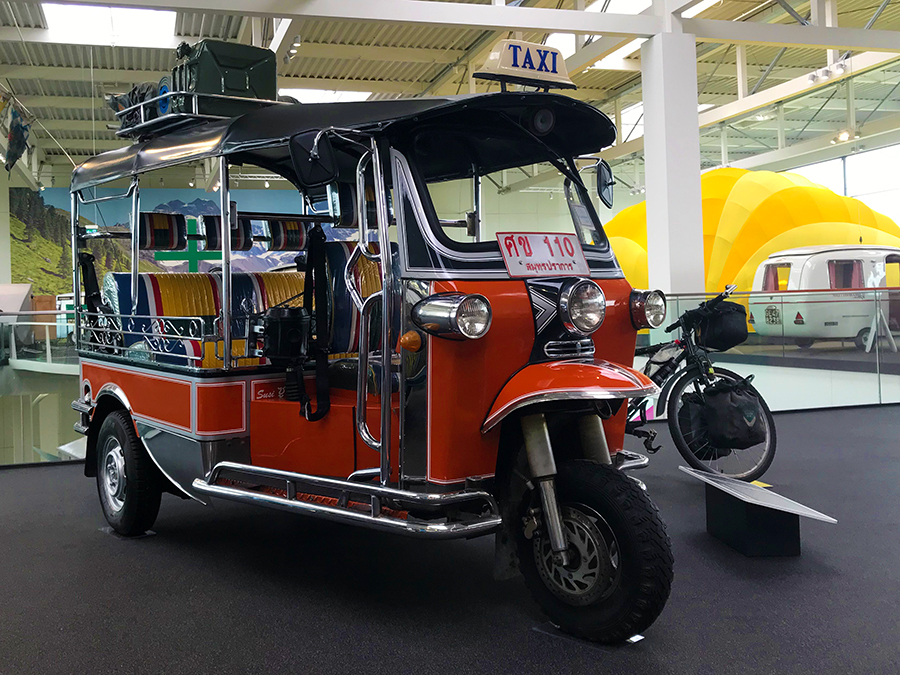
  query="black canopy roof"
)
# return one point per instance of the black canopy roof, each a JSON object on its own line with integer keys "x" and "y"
{"x": 447, "y": 135}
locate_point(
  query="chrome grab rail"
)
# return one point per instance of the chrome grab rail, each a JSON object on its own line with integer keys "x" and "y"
{"x": 362, "y": 376}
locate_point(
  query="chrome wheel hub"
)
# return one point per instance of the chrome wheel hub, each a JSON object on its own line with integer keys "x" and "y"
{"x": 113, "y": 479}
{"x": 592, "y": 570}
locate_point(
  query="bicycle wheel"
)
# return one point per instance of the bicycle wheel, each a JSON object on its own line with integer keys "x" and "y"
{"x": 689, "y": 432}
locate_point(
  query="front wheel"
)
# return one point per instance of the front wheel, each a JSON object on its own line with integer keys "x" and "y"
{"x": 689, "y": 431}
{"x": 620, "y": 557}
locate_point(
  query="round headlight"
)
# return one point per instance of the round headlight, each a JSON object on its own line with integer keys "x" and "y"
{"x": 473, "y": 316}
{"x": 582, "y": 306}
{"x": 648, "y": 309}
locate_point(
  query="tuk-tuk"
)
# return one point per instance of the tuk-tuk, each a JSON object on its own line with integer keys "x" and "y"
{"x": 412, "y": 374}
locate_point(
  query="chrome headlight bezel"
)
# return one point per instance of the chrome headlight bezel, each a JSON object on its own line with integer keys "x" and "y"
{"x": 438, "y": 315}
{"x": 566, "y": 301}
{"x": 638, "y": 306}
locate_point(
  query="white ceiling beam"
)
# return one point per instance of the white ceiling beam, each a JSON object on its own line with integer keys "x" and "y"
{"x": 783, "y": 35}
{"x": 419, "y": 12}
{"x": 79, "y": 144}
{"x": 781, "y": 92}
{"x": 281, "y": 42}
{"x": 316, "y": 50}
{"x": 129, "y": 77}
{"x": 67, "y": 102}
{"x": 97, "y": 38}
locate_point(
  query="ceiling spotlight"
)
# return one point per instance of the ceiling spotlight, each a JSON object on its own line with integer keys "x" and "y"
{"x": 834, "y": 141}
{"x": 293, "y": 51}
{"x": 216, "y": 187}
{"x": 191, "y": 183}
{"x": 840, "y": 68}
{"x": 825, "y": 73}
{"x": 267, "y": 184}
{"x": 813, "y": 78}
{"x": 844, "y": 136}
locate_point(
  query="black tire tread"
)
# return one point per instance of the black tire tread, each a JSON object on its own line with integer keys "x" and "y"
{"x": 653, "y": 548}
{"x": 143, "y": 478}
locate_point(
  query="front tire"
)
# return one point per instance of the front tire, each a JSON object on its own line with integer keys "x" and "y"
{"x": 747, "y": 464}
{"x": 620, "y": 570}
{"x": 128, "y": 482}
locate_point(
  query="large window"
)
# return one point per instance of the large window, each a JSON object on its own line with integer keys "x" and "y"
{"x": 843, "y": 274}
{"x": 776, "y": 277}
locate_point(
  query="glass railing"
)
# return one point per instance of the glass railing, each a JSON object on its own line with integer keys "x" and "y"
{"x": 38, "y": 382}
{"x": 813, "y": 349}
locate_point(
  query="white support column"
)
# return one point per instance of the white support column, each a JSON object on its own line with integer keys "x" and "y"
{"x": 256, "y": 28}
{"x": 580, "y": 38}
{"x": 724, "y": 141}
{"x": 617, "y": 111}
{"x": 672, "y": 163}
{"x": 850, "y": 90}
{"x": 782, "y": 137}
{"x": 824, "y": 13}
{"x": 742, "y": 88}
{"x": 5, "y": 239}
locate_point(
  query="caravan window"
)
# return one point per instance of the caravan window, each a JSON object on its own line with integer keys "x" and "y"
{"x": 776, "y": 277}
{"x": 844, "y": 274}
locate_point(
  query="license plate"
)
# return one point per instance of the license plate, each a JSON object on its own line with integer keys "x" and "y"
{"x": 773, "y": 316}
{"x": 542, "y": 254}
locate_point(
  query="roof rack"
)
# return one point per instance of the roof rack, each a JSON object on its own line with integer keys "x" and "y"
{"x": 153, "y": 124}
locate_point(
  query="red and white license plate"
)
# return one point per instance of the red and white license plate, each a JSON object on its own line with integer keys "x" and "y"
{"x": 542, "y": 254}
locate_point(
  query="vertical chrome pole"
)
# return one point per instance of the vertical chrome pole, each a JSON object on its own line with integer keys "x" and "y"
{"x": 76, "y": 273}
{"x": 225, "y": 205}
{"x": 387, "y": 307}
{"x": 476, "y": 199}
{"x": 135, "y": 241}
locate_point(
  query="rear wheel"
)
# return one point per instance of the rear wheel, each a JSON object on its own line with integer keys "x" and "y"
{"x": 128, "y": 482}
{"x": 691, "y": 438}
{"x": 620, "y": 558}
{"x": 861, "y": 338}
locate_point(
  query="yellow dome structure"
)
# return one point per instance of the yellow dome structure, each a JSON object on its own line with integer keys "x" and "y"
{"x": 747, "y": 216}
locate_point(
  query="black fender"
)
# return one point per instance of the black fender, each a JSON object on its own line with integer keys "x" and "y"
{"x": 107, "y": 402}
{"x": 663, "y": 400}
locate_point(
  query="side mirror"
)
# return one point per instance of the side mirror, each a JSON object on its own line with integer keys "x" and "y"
{"x": 314, "y": 161}
{"x": 605, "y": 182}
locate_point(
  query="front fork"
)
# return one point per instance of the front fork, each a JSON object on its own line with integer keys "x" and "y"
{"x": 543, "y": 470}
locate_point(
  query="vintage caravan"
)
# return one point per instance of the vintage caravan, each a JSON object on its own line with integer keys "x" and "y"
{"x": 780, "y": 308}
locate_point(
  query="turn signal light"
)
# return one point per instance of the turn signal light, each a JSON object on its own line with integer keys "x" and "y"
{"x": 411, "y": 341}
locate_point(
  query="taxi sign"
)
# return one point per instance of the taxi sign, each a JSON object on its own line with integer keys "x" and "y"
{"x": 542, "y": 254}
{"x": 526, "y": 63}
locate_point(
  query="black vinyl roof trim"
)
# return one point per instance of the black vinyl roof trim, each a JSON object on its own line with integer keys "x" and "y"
{"x": 261, "y": 136}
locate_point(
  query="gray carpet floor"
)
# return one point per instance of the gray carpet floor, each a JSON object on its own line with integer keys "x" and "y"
{"x": 238, "y": 590}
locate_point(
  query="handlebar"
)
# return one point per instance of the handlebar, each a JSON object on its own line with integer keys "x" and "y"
{"x": 702, "y": 309}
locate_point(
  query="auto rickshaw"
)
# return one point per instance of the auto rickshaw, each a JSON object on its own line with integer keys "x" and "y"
{"x": 412, "y": 373}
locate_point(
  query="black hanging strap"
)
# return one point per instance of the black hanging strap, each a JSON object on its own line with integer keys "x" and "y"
{"x": 317, "y": 281}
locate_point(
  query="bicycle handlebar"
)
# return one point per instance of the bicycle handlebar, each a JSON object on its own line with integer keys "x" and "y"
{"x": 704, "y": 308}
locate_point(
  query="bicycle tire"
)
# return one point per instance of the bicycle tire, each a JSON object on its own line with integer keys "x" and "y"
{"x": 756, "y": 470}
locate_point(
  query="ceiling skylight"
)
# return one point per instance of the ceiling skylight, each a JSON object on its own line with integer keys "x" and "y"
{"x": 116, "y": 25}
{"x": 325, "y": 95}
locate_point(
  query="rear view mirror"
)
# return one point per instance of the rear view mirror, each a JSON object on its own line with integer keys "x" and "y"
{"x": 314, "y": 161}
{"x": 605, "y": 182}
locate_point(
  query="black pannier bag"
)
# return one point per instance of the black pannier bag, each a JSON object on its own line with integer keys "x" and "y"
{"x": 723, "y": 328}
{"x": 733, "y": 414}
{"x": 692, "y": 422}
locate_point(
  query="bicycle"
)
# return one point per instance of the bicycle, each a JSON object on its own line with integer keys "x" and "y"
{"x": 684, "y": 371}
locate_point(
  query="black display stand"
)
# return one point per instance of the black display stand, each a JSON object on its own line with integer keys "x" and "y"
{"x": 751, "y": 519}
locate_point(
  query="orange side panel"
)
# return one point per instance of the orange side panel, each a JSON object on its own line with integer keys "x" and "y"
{"x": 282, "y": 439}
{"x": 221, "y": 408}
{"x": 155, "y": 398}
{"x": 615, "y": 342}
{"x": 465, "y": 376}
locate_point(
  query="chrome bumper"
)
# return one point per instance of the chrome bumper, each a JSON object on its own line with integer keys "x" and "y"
{"x": 442, "y": 527}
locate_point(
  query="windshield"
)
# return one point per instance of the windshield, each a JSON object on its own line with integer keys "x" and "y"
{"x": 534, "y": 198}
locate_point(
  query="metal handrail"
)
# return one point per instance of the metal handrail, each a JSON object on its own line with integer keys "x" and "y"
{"x": 362, "y": 375}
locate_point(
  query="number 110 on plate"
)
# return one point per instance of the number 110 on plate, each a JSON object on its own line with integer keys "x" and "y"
{"x": 542, "y": 254}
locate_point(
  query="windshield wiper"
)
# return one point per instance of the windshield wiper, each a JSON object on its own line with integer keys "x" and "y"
{"x": 560, "y": 162}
